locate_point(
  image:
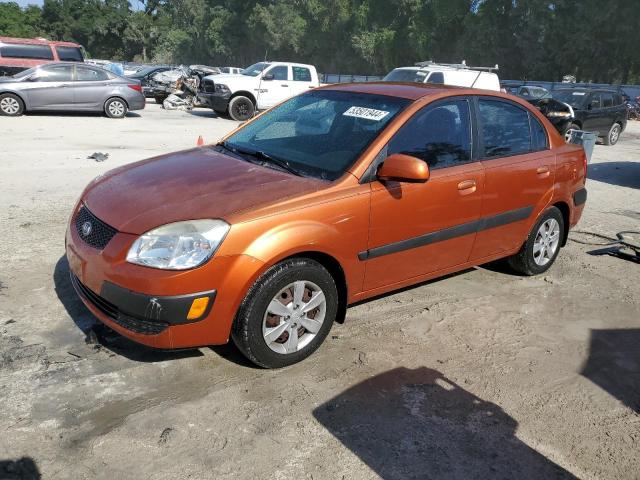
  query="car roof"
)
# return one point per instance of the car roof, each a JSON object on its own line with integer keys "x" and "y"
{"x": 409, "y": 90}
{"x": 586, "y": 89}
{"x": 37, "y": 41}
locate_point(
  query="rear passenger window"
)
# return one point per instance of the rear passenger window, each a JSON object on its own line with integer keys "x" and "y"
{"x": 440, "y": 135}
{"x": 301, "y": 74}
{"x": 505, "y": 129}
{"x": 69, "y": 54}
{"x": 538, "y": 135}
{"x": 89, "y": 74}
{"x": 40, "y": 52}
{"x": 436, "y": 77}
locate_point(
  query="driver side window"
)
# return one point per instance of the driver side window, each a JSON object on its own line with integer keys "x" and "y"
{"x": 439, "y": 134}
{"x": 58, "y": 73}
{"x": 280, "y": 72}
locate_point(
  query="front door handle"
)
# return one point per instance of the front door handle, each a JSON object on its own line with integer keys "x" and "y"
{"x": 466, "y": 187}
{"x": 543, "y": 172}
{"x": 284, "y": 85}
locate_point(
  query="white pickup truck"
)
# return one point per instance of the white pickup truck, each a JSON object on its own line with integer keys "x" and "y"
{"x": 258, "y": 87}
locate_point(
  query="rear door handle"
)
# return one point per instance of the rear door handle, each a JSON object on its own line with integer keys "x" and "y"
{"x": 543, "y": 172}
{"x": 466, "y": 187}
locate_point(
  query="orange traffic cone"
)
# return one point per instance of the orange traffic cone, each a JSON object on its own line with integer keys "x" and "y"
{"x": 200, "y": 141}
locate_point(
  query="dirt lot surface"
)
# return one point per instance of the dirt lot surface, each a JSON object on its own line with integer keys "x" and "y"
{"x": 483, "y": 374}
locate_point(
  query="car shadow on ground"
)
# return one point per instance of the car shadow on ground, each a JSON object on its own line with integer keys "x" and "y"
{"x": 75, "y": 114}
{"x": 614, "y": 364}
{"x": 410, "y": 424}
{"x": 623, "y": 174}
{"x": 24, "y": 468}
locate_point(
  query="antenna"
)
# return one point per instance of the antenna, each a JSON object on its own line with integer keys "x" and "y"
{"x": 260, "y": 83}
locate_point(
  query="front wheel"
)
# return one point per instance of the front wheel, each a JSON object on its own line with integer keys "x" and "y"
{"x": 241, "y": 108}
{"x": 569, "y": 131}
{"x": 115, "y": 108}
{"x": 542, "y": 246}
{"x": 286, "y": 314}
{"x": 11, "y": 105}
{"x": 614, "y": 134}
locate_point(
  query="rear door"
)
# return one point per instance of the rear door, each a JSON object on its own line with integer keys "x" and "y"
{"x": 420, "y": 228}
{"x": 301, "y": 80}
{"x": 519, "y": 174}
{"x": 51, "y": 87}
{"x": 91, "y": 86}
{"x": 609, "y": 112}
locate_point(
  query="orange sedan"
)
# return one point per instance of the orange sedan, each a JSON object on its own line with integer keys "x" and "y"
{"x": 332, "y": 197}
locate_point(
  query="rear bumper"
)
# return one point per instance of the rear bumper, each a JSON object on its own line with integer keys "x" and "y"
{"x": 137, "y": 103}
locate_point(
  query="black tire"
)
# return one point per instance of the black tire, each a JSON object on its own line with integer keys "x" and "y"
{"x": 115, "y": 108}
{"x": 159, "y": 99}
{"x": 567, "y": 135}
{"x": 524, "y": 261}
{"x": 241, "y": 109}
{"x": 247, "y": 331}
{"x": 11, "y": 105}
{"x": 613, "y": 135}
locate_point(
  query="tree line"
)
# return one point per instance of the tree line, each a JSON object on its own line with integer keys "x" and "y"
{"x": 594, "y": 40}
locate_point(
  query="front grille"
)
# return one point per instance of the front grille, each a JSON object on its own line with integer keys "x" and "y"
{"x": 99, "y": 233}
{"x": 208, "y": 86}
{"x": 136, "y": 325}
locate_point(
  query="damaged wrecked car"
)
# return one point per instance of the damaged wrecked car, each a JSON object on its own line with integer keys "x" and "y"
{"x": 181, "y": 83}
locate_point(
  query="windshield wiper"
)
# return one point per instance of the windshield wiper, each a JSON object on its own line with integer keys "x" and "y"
{"x": 264, "y": 156}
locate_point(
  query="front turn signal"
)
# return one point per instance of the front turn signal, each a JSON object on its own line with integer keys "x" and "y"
{"x": 198, "y": 307}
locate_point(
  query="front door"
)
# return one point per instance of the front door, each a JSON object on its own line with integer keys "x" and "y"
{"x": 274, "y": 87}
{"x": 419, "y": 228}
{"x": 593, "y": 121}
{"x": 51, "y": 87}
{"x": 519, "y": 174}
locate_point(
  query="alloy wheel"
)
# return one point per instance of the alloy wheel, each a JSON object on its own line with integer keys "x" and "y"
{"x": 294, "y": 317}
{"x": 9, "y": 105}
{"x": 116, "y": 108}
{"x": 615, "y": 134}
{"x": 546, "y": 242}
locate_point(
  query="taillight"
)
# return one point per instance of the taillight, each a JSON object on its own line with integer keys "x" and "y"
{"x": 136, "y": 86}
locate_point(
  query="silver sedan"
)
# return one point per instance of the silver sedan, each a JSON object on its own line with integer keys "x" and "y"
{"x": 69, "y": 87}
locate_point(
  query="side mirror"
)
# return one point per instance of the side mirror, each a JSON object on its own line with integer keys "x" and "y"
{"x": 267, "y": 76}
{"x": 404, "y": 168}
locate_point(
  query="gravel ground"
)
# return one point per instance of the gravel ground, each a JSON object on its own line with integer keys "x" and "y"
{"x": 479, "y": 375}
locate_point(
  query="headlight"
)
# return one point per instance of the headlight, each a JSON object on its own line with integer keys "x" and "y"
{"x": 221, "y": 88}
{"x": 559, "y": 115}
{"x": 178, "y": 246}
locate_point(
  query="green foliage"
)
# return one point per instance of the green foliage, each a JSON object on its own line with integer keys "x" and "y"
{"x": 595, "y": 40}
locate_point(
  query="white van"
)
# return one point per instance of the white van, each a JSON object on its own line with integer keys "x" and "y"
{"x": 448, "y": 74}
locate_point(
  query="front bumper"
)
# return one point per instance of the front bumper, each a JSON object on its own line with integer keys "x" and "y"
{"x": 217, "y": 101}
{"x": 149, "y": 305}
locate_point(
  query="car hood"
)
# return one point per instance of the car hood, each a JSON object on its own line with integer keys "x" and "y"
{"x": 187, "y": 185}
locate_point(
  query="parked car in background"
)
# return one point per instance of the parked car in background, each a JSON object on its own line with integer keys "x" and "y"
{"x": 447, "y": 74}
{"x": 69, "y": 87}
{"x": 18, "y": 54}
{"x": 144, "y": 76}
{"x": 600, "y": 111}
{"x": 335, "y": 196}
{"x": 531, "y": 92}
{"x": 234, "y": 70}
{"x": 258, "y": 87}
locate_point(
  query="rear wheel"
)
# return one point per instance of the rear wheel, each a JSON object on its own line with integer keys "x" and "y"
{"x": 614, "y": 134}
{"x": 115, "y": 108}
{"x": 11, "y": 105}
{"x": 241, "y": 108}
{"x": 542, "y": 246}
{"x": 286, "y": 314}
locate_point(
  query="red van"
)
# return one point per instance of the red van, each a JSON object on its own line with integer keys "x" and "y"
{"x": 17, "y": 54}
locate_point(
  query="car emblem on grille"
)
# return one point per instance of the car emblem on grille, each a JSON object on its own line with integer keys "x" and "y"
{"x": 86, "y": 228}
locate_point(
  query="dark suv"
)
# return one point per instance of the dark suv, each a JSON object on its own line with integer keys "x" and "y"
{"x": 594, "y": 110}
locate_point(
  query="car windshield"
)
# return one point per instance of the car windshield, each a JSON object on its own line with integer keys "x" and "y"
{"x": 255, "y": 69}
{"x": 406, "y": 75}
{"x": 319, "y": 134}
{"x": 575, "y": 98}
